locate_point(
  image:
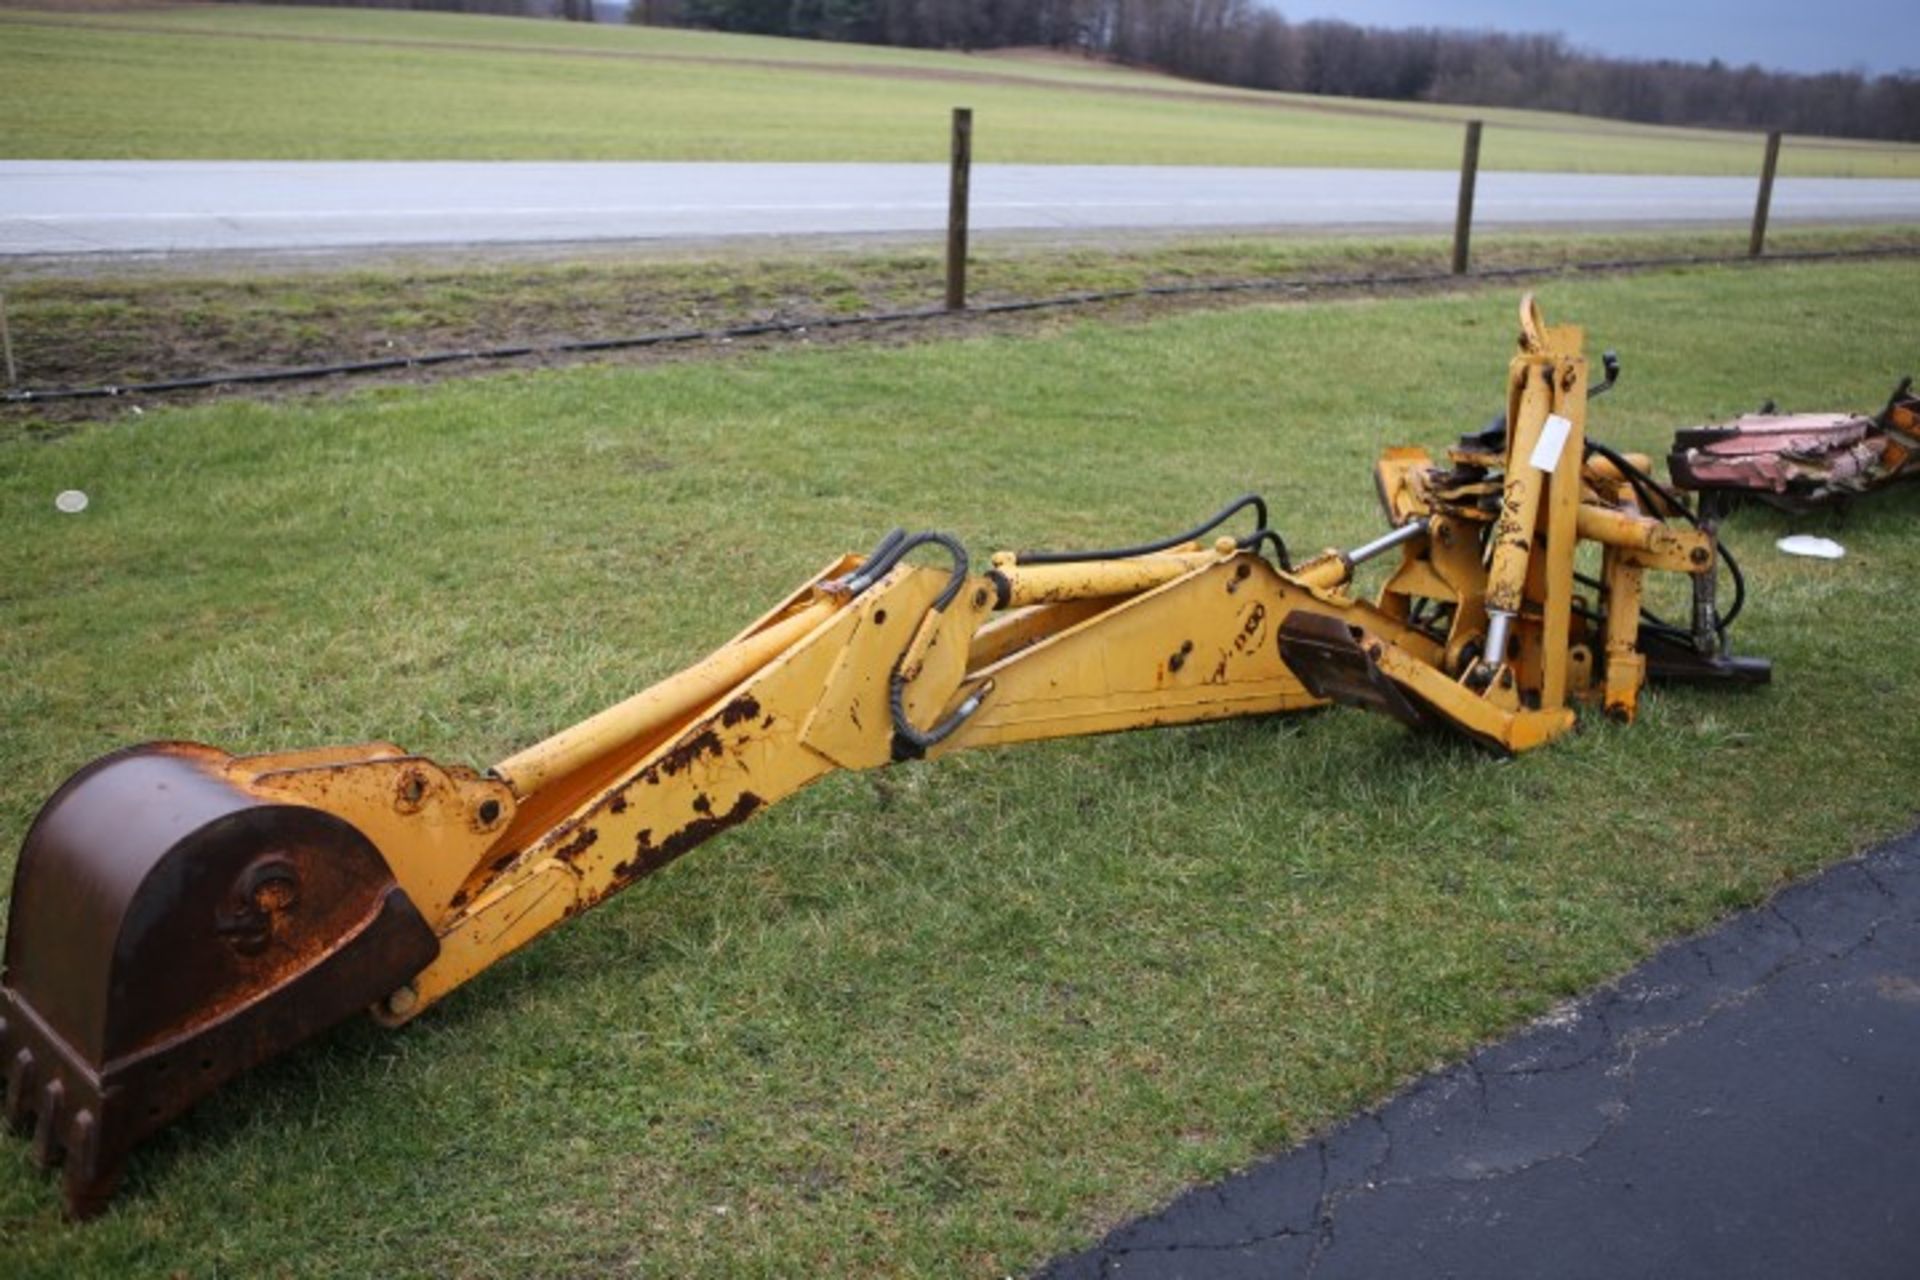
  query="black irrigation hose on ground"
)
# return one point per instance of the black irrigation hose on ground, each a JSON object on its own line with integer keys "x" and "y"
{"x": 388, "y": 364}
{"x": 674, "y": 337}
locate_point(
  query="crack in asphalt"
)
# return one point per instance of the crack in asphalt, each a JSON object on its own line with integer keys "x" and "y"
{"x": 1873, "y": 878}
{"x": 1111, "y": 1259}
{"x": 1774, "y": 910}
{"x": 1465, "y": 1117}
{"x": 1705, "y": 957}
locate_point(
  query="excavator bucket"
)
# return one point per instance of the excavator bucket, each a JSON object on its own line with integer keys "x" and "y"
{"x": 169, "y": 930}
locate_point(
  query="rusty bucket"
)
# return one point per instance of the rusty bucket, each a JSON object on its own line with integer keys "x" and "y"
{"x": 169, "y": 930}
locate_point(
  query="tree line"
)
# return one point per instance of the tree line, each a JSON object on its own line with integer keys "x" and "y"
{"x": 1246, "y": 44}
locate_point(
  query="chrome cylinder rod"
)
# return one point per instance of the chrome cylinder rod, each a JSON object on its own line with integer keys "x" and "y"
{"x": 1387, "y": 541}
{"x": 1499, "y": 623}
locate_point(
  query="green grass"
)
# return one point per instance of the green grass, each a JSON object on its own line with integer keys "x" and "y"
{"x": 943, "y": 1020}
{"x": 306, "y": 83}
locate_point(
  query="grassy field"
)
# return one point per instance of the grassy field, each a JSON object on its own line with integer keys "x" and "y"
{"x": 232, "y": 82}
{"x": 944, "y": 1020}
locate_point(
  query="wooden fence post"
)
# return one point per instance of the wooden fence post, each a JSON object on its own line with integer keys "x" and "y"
{"x": 1463, "y": 218}
{"x": 6, "y": 343}
{"x": 1758, "y": 241}
{"x": 957, "y": 209}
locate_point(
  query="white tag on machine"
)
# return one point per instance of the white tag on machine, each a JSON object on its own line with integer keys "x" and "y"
{"x": 1553, "y": 438}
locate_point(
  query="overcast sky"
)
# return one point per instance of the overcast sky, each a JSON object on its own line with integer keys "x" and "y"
{"x": 1797, "y": 35}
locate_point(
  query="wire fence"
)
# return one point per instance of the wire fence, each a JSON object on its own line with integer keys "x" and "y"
{"x": 956, "y": 300}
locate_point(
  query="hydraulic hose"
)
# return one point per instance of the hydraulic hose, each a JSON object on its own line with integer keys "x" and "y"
{"x": 1220, "y": 517}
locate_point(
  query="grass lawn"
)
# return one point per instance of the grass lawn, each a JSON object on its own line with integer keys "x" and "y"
{"x": 943, "y": 1020}
{"x": 232, "y": 82}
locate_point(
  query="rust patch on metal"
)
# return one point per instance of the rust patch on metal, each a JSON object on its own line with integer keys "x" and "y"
{"x": 649, "y": 857}
{"x": 742, "y": 708}
{"x": 707, "y": 742}
{"x": 682, "y": 757}
{"x": 573, "y": 848}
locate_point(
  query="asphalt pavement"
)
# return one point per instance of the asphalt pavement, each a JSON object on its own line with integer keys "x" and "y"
{"x": 132, "y": 207}
{"x": 1745, "y": 1104}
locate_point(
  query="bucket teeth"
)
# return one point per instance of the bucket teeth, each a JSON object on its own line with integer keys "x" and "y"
{"x": 84, "y": 1184}
{"x": 47, "y": 1115}
{"x": 20, "y": 1077}
{"x": 59, "y": 1119}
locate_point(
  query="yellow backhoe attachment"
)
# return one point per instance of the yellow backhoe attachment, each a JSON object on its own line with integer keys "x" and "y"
{"x": 180, "y": 914}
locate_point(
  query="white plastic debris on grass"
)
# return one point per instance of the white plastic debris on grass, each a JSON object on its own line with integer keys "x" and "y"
{"x": 1805, "y": 544}
{"x": 70, "y": 502}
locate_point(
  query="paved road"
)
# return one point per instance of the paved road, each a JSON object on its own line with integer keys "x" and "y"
{"x": 64, "y": 207}
{"x": 1747, "y": 1103}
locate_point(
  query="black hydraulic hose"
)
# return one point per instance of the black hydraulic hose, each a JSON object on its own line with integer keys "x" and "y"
{"x": 1220, "y": 517}
{"x": 951, "y": 545}
{"x": 1253, "y": 540}
{"x": 894, "y": 549}
{"x": 1655, "y": 495}
{"x": 895, "y": 536}
{"x": 1884, "y": 419}
{"x": 1739, "y": 584}
{"x": 909, "y": 741}
{"x": 867, "y": 574}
